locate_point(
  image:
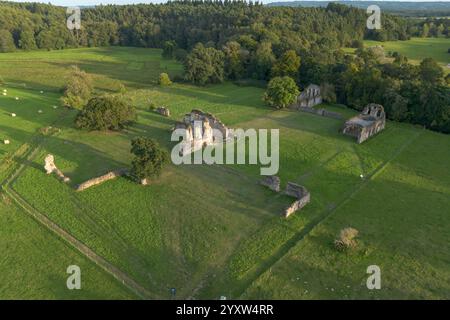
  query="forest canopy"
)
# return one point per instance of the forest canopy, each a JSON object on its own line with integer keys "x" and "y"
{"x": 35, "y": 25}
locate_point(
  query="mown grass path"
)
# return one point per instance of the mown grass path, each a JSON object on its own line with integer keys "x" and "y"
{"x": 23, "y": 156}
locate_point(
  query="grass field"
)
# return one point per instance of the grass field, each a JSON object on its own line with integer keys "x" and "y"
{"x": 416, "y": 49}
{"x": 110, "y": 67}
{"x": 212, "y": 230}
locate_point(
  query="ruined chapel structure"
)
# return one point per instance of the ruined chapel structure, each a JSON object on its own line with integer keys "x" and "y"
{"x": 368, "y": 123}
{"x": 300, "y": 193}
{"x": 201, "y": 129}
{"x": 310, "y": 97}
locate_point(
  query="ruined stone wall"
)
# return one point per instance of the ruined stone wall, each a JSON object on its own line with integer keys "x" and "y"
{"x": 199, "y": 129}
{"x": 272, "y": 182}
{"x": 50, "y": 167}
{"x": 300, "y": 193}
{"x": 368, "y": 123}
{"x": 297, "y": 205}
{"x": 98, "y": 180}
{"x": 371, "y": 130}
{"x": 320, "y": 112}
{"x": 163, "y": 111}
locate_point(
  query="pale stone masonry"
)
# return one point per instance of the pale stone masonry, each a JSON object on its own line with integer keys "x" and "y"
{"x": 199, "y": 129}
{"x": 300, "y": 193}
{"x": 272, "y": 182}
{"x": 50, "y": 168}
{"x": 310, "y": 97}
{"x": 98, "y": 180}
{"x": 368, "y": 123}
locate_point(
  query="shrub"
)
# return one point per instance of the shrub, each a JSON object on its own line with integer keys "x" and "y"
{"x": 164, "y": 79}
{"x": 149, "y": 158}
{"x": 105, "y": 113}
{"x": 346, "y": 239}
{"x": 121, "y": 89}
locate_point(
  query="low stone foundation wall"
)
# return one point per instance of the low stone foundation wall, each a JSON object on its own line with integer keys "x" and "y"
{"x": 98, "y": 180}
{"x": 301, "y": 193}
{"x": 321, "y": 112}
{"x": 272, "y": 182}
{"x": 297, "y": 205}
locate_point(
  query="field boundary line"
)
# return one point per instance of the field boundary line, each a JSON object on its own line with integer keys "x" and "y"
{"x": 81, "y": 247}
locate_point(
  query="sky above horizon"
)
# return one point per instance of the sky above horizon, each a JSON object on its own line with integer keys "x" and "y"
{"x": 97, "y": 2}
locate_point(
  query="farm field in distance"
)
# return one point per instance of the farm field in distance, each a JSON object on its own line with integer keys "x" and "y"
{"x": 212, "y": 231}
{"x": 416, "y": 49}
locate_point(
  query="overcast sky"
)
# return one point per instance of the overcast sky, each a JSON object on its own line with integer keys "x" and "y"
{"x": 94, "y": 2}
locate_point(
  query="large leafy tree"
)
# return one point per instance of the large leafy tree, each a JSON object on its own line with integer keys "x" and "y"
{"x": 262, "y": 61}
{"x": 235, "y": 60}
{"x": 149, "y": 158}
{"x": 78, "y": 89}
{"x": 287, "y": 65}
{"x": 26, "y": 40}
{"x": 169, "y": 48}
{"x": 204, "y": 65}
{"x": 431, "y": 71}
{"x": 281, "y": 92}
{"x": 106, "y": 113}
{"x": 6, "y": 41}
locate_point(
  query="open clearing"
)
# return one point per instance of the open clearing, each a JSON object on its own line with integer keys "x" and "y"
{"x": 212, "y": 230}
{"x": 416, "y": 49}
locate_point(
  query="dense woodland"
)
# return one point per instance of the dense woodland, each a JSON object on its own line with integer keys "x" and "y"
{"x": 239, "y": 41}
{"x": 31, "y": 25}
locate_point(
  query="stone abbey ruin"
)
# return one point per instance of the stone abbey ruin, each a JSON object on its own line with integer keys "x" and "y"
{"x": 201, "y": 129}
{"x": 310, "y": 97}
{"x": 300, "y": 193}
{"x": 368, "y": 123}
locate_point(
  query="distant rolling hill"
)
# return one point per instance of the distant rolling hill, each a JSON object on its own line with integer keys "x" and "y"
{"x": 405, "y": 8}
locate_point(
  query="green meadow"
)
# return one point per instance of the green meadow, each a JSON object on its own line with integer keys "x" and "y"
{"x": 213, "y": 230}
{"x": 416, "y": 49}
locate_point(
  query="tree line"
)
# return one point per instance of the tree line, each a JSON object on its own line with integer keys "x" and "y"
{"x": 33, "y": 25}
{"x": 235, "y": 40}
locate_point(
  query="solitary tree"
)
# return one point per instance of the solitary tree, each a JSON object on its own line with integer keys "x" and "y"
{"x": 105, "y": 113}
{"x": 281, "y": 92}
{"x": 169, "y": 48}
{"x": 149, "y": 158}
{"x": 78, "y": 89}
